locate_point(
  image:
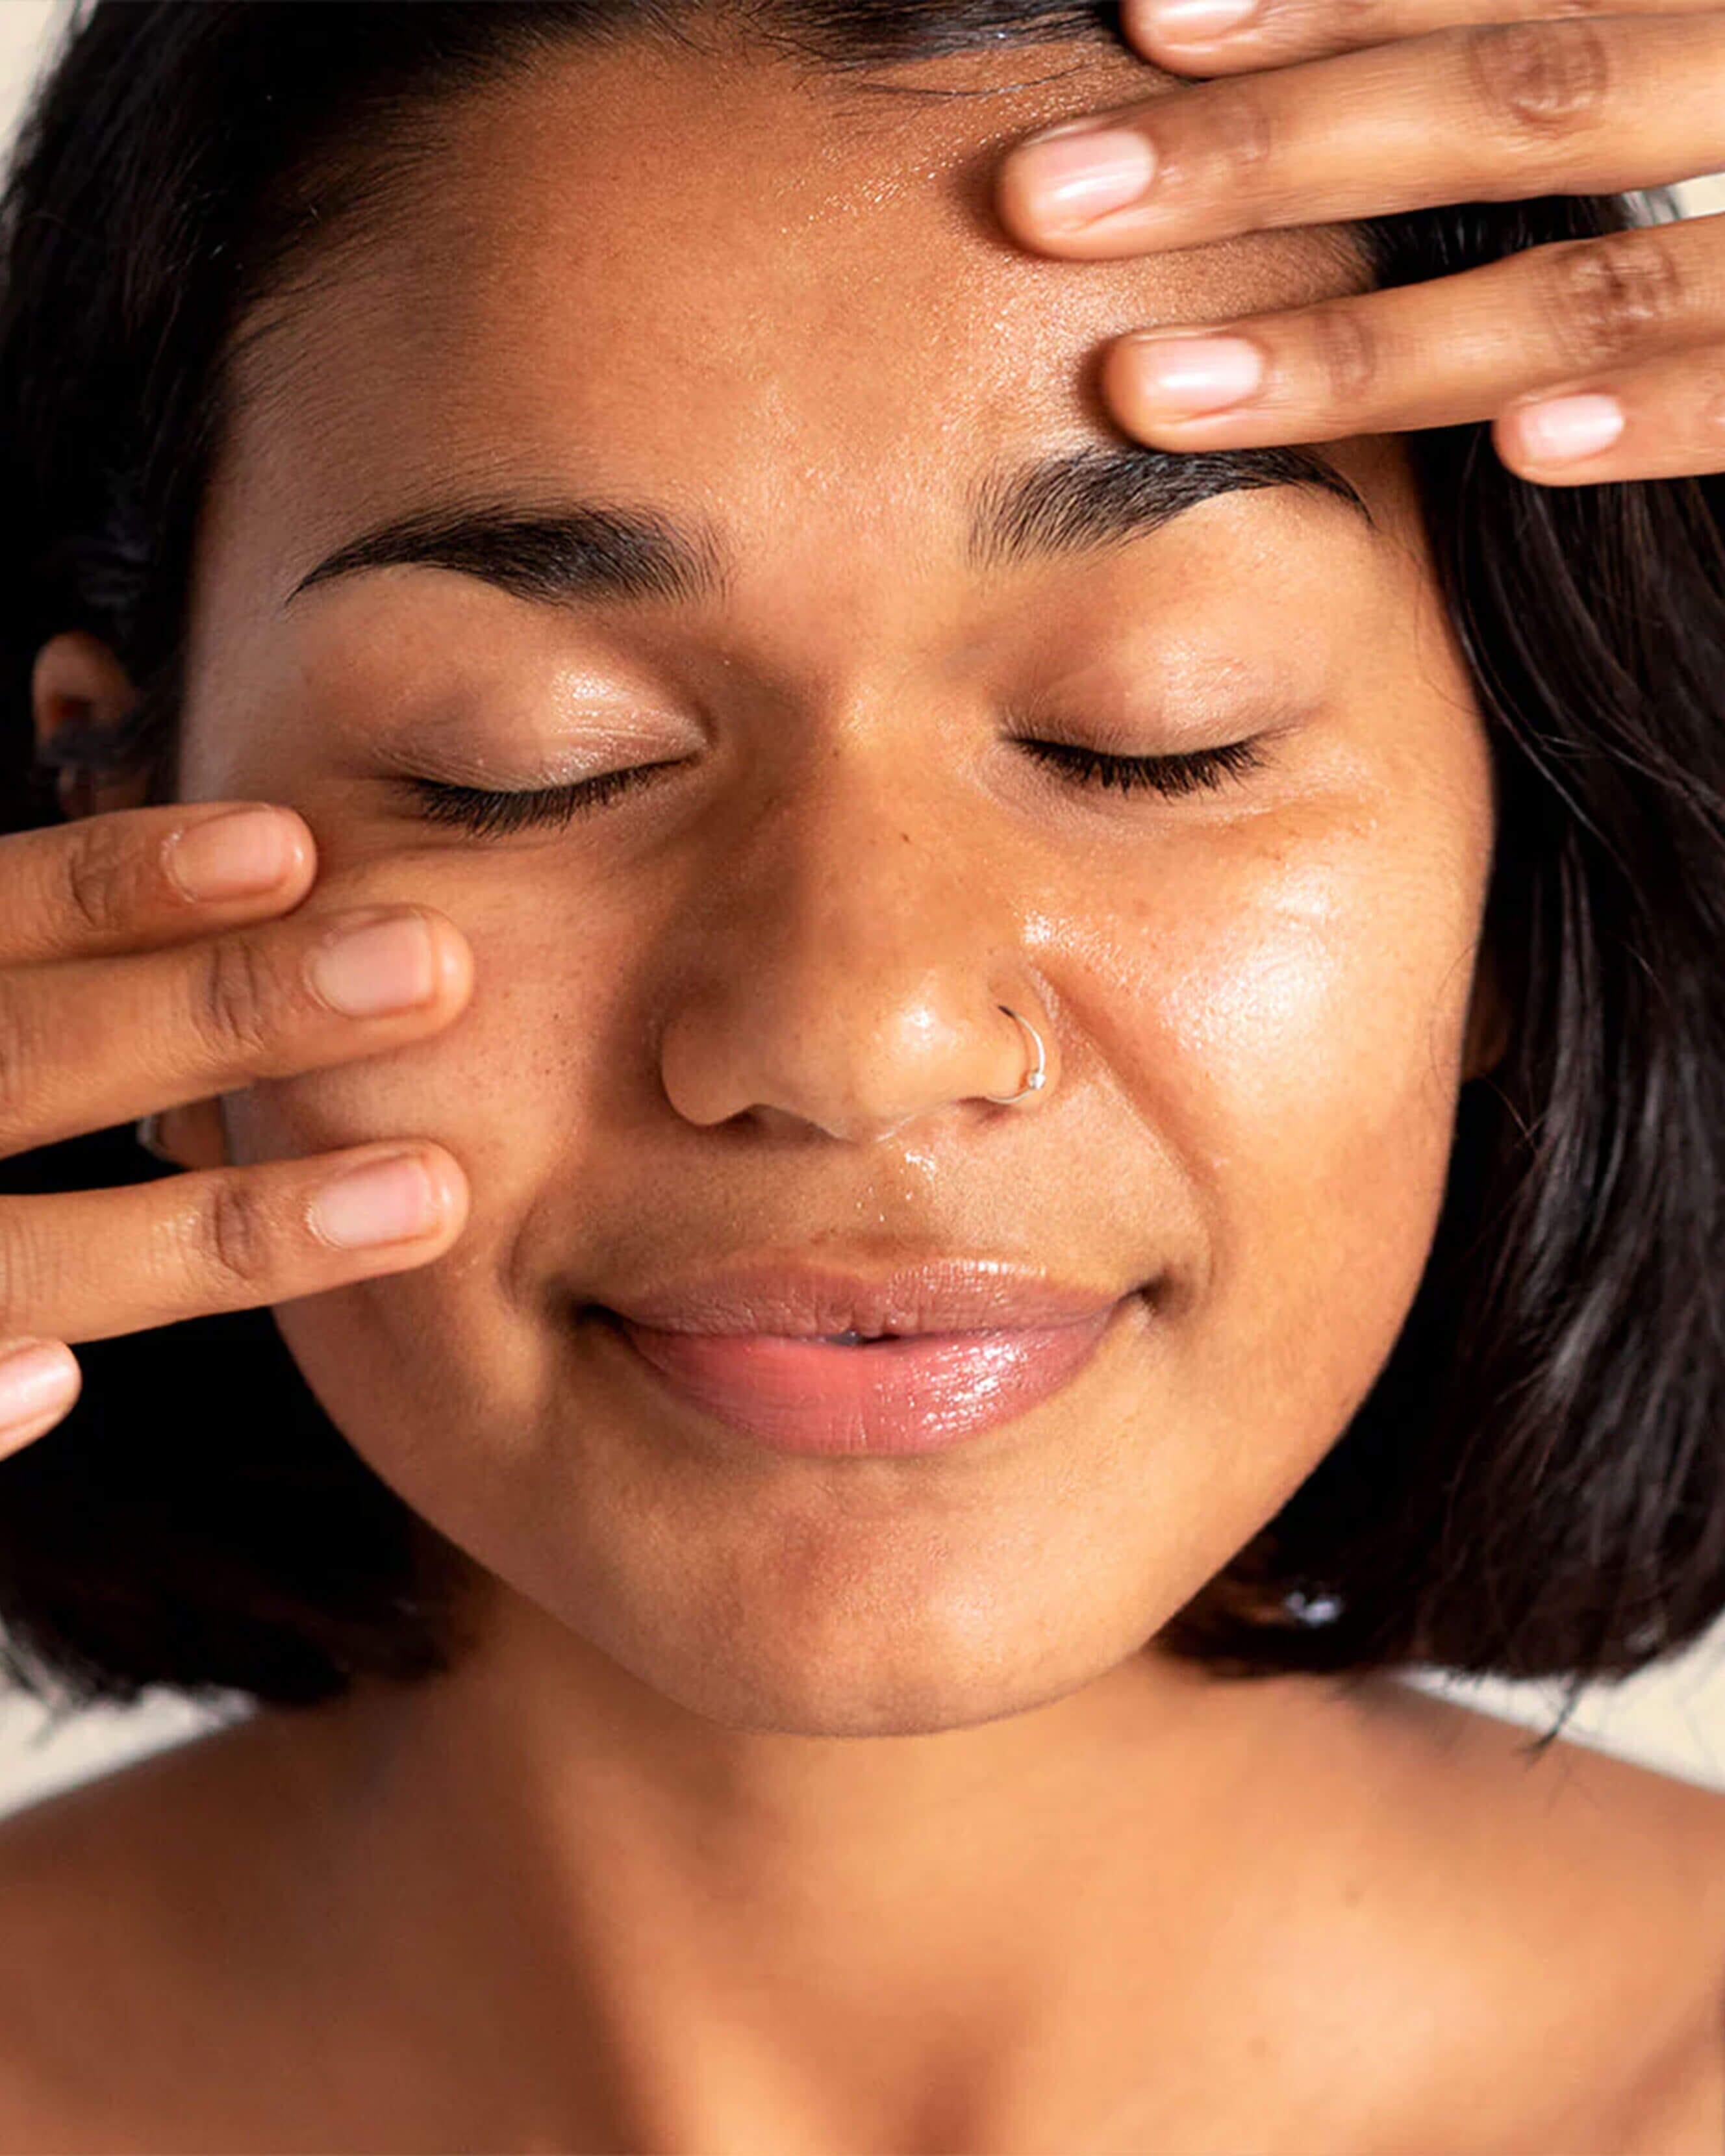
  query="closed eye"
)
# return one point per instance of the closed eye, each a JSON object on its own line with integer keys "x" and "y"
{"x": 489, "y": 814}
{"x": 478, "y": 809}
{"x": 1170, "y": 775}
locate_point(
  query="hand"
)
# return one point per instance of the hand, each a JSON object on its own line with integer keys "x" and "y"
{"x": 1595, "y": 359}
{"x": 119, "y": 995}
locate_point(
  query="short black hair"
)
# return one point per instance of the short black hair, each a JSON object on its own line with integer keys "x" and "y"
{"x": 1535, "y": 1484}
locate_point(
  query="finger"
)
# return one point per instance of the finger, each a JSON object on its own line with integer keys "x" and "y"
{"x": 39, "y": 1380}
{"x": 88, "y": 1264}
{"x": 102, "y": 1041}
{"x": 132, "y": 877}
{"x": 1229, "y": 37}
{"x": 1494, "y": 114}
{"x": 1439, "y": 354}
{"x": 1661, "y": 421}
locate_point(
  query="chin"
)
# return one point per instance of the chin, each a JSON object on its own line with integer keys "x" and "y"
{"x": 881, "y": 1703}
{"x": 868, "y": 1672}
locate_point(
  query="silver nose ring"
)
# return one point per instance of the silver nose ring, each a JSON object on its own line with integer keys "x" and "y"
{"x": 1039, "y": 1075}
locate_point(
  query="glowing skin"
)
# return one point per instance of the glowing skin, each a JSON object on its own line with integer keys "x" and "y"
{"x": 832, "y": 1802}
{"x": 755, "y": 1004}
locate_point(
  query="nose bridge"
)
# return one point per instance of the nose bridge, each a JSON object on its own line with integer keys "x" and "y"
{"x": 875, "y": 862}
{"x": 853, "y": 948}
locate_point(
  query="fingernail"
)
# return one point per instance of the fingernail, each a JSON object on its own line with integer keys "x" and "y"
{"x": 1074, "y": 176}
{"x": 1196, "y": 374}
{"x": 1195, "y": 20}
{"x": 385, "y": 966}
{"x": 385, "y": 1201}
{"x": 232, "y": 856}
{"x": 34, "y": 1380}
{"x": 1565, "y": 429}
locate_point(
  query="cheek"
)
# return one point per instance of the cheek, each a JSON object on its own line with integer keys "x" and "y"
{"x": 508, "y": 1081}
{"x": 1316, "y": 1002}
{"x": 522, "y": 1087}
{"x": 1292, "y": 1012}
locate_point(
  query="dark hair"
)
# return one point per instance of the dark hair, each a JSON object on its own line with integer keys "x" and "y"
{"x": 1536, "y": 1484}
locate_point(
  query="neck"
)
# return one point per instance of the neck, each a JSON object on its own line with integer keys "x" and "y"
{"x": 686, "y": 1935}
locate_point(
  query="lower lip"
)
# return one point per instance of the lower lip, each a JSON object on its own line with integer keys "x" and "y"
{"x": 921, "y": 1394}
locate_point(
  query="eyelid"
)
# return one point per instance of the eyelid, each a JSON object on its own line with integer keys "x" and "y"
{"x": 452, "y": 762}
{"x": 490, "y": 813}
{"x": 1157, "y": 717}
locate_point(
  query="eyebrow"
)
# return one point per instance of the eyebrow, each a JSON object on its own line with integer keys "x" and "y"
{"x": 589, "y": 552}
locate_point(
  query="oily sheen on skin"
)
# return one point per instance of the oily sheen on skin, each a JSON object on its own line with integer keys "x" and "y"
{"x": 831, "y": 1795}
{"x": 700, "y": 1011}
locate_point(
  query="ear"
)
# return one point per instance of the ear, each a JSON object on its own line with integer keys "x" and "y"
{"x": 1489, "y": 1019}
{"x": 81, "y": 697}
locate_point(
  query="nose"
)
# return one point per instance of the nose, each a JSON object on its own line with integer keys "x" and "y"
{"x": 850, "y": 965}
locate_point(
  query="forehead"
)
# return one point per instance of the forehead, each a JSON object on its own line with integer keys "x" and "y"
{"x": 756, "y": 289}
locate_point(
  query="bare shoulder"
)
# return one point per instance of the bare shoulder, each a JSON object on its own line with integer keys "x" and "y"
{"x": 107, "y": 1850}
{"x": 1579, "y": 1932}
{"x": 123, "y": 1903}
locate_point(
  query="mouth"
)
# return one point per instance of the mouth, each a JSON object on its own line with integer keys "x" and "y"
{"x": 870, "y": 1395}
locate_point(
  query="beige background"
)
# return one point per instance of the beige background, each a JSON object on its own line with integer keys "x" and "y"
{"x": 1671, "y": 1717}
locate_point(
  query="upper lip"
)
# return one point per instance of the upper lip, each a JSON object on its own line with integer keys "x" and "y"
{"x": 942, "y": 1295}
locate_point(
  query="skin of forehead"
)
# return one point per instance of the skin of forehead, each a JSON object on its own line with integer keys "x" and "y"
{"x": 598, "y": 251}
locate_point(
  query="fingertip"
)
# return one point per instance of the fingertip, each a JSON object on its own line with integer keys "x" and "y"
{"x": 1193, "y": 37}
{"x": 454, "y": 958}
{"x": 1060, "y": 181}
{"x": 1548, "y": 435}
{"x": 1127, "y": 389}
{"x": 1016, "y": 204}
{"x": 452, "y": 1190}
{"x": 39, "y": 1382}
{"x": 301, "y": 845}
{"x": 1118, "y": 377}
{"x": 402, "y": 1206}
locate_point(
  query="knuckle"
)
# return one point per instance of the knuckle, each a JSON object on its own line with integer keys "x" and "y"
{"x": 102, "y": 877}
{"x": 1348, "y": 355}
{"x": 1606, "y": 298}
{"x": 1536, "y": 82}
{"x": 1242, "y": 139}
{"x": 1354, "y": 22}
{"x": 233, "y": 1238}
{"x": 236, "y": 997}
{"x": 1250, "y": 135}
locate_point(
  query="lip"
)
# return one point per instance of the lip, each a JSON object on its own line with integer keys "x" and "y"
{"x": 941, "y": 1294}
{"x": 980, "y": 1345}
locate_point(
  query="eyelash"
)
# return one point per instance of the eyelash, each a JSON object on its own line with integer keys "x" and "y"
{"x": 490, "y": 814}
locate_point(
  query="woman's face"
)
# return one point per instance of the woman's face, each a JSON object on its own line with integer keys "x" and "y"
{"x": 750, "y": 1008}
